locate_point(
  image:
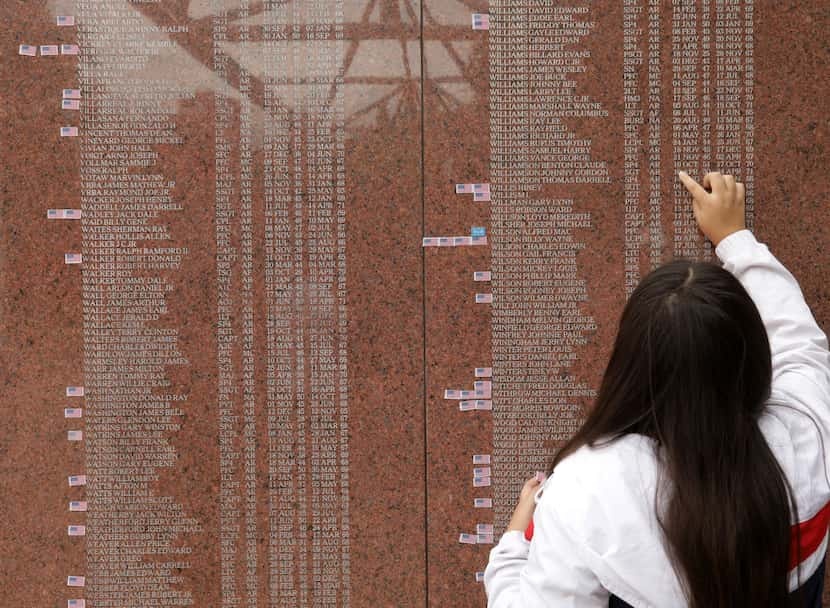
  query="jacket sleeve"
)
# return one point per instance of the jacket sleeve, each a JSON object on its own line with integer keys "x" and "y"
{"x": 798, "y": 345}
{"x": 796, "y": 419}
{"x": 547, "y": 571}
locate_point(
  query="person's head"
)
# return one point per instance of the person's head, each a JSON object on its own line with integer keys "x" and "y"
{"x": 691, "y": 368}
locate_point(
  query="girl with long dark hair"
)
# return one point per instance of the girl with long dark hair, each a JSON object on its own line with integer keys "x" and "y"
{"x": 698, "y": 478}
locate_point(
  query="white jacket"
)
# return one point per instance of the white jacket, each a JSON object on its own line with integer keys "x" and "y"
{"x": 595, "y": 531}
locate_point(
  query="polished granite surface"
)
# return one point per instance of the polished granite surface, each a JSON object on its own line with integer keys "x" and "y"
{"x": 264, "y": 344}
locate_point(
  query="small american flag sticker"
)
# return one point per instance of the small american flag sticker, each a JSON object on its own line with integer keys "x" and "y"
{"x": 483, "y": 372}
{"x": 444, "y": 241}
{"x": 75, "y": 581}
{"x": 484, "y": 528}
{"x": 466, "y": 406}
{"x": 429, "y": 241}
{"x": 484, "y": 539}
{"x": 452, "y": 394}
{"x": 73, "y": 412}
{"x": 479, "y": 240}
{"x": 63, "y": 214}
{"x": 481, "y": 275}
{"x": 481, "y": 472}
{"x": 479, "y": 577}
{"x": 77, "y": 480}
{"x": 75, "y": 603}
{"x": 66, "y": 20}
{"x": 485, "y": 385}
{"x": 76, "y": 530}
{"x": 72, "y": 258}
{"x": 481, "y": 187}
{"x": 27, "y": 49}
{"x": 77, "y": 505}
{"x": 74, "y": 391}
{"x": 469, "y": 539}
{"x": 483, "y": 405}
{"x": 483, "y": 503}
{"x": 484, "y": 298}
{"x": 70, "y": 104}
{"x": 481, "y": 482}
{"x": 463, "y": 188}
{"x": 481, "y": 21}
{"x": 481, "y": 458}
{"x": 48, "y": 49}
{"x": 481, "y": 196}
{"x": 69, "y": 49}
{"x": 72, "y": 93}
{"x": 69, "y": 131}
{"x": 75, "y": 435}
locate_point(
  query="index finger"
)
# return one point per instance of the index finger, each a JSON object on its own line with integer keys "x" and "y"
{"x": 691, "y": 185}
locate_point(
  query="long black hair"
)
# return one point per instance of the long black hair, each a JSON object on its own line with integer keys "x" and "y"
{"x": 691, "y": 368}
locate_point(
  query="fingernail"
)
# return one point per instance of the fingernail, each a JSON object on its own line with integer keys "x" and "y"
{"x": 681, "y": 173}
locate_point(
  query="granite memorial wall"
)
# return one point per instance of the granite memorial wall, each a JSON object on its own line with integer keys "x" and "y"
{"x": 295, "y": 294}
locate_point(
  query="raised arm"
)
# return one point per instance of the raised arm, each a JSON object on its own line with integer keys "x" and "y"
{"x": 798, "y": 345}
{"x": 797, "y": 342}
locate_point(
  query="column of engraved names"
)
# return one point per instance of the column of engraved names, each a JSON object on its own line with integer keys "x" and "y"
{"x": 733, "y": 95}
{"x": 706, "y": 100}
{"x": 686, "y": 127}
{"x": 655, "y": 223}
{"x": 135, "y": 554}
{"x": 246, "y": 378}
{"x": 326, "y": 176}
{"x": 279, "y": 292}
{"x": 509, "y": 82}
{"x": 537, "y": 322}
{"x": 226, "y": 256}
{"x": 633, "y": 140}
{"x": 299, "y": 441}
{"x": 748, "y": 173}
{"x": 304, "y": 152}
{"x": 324, "y": 153}
{"x": 696, "y": 99}
{"x": 641, "y": 91}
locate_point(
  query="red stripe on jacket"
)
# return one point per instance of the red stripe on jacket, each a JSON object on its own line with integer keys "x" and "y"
{"x": 812, "y": 534}
{"x": 529, "y": 531}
